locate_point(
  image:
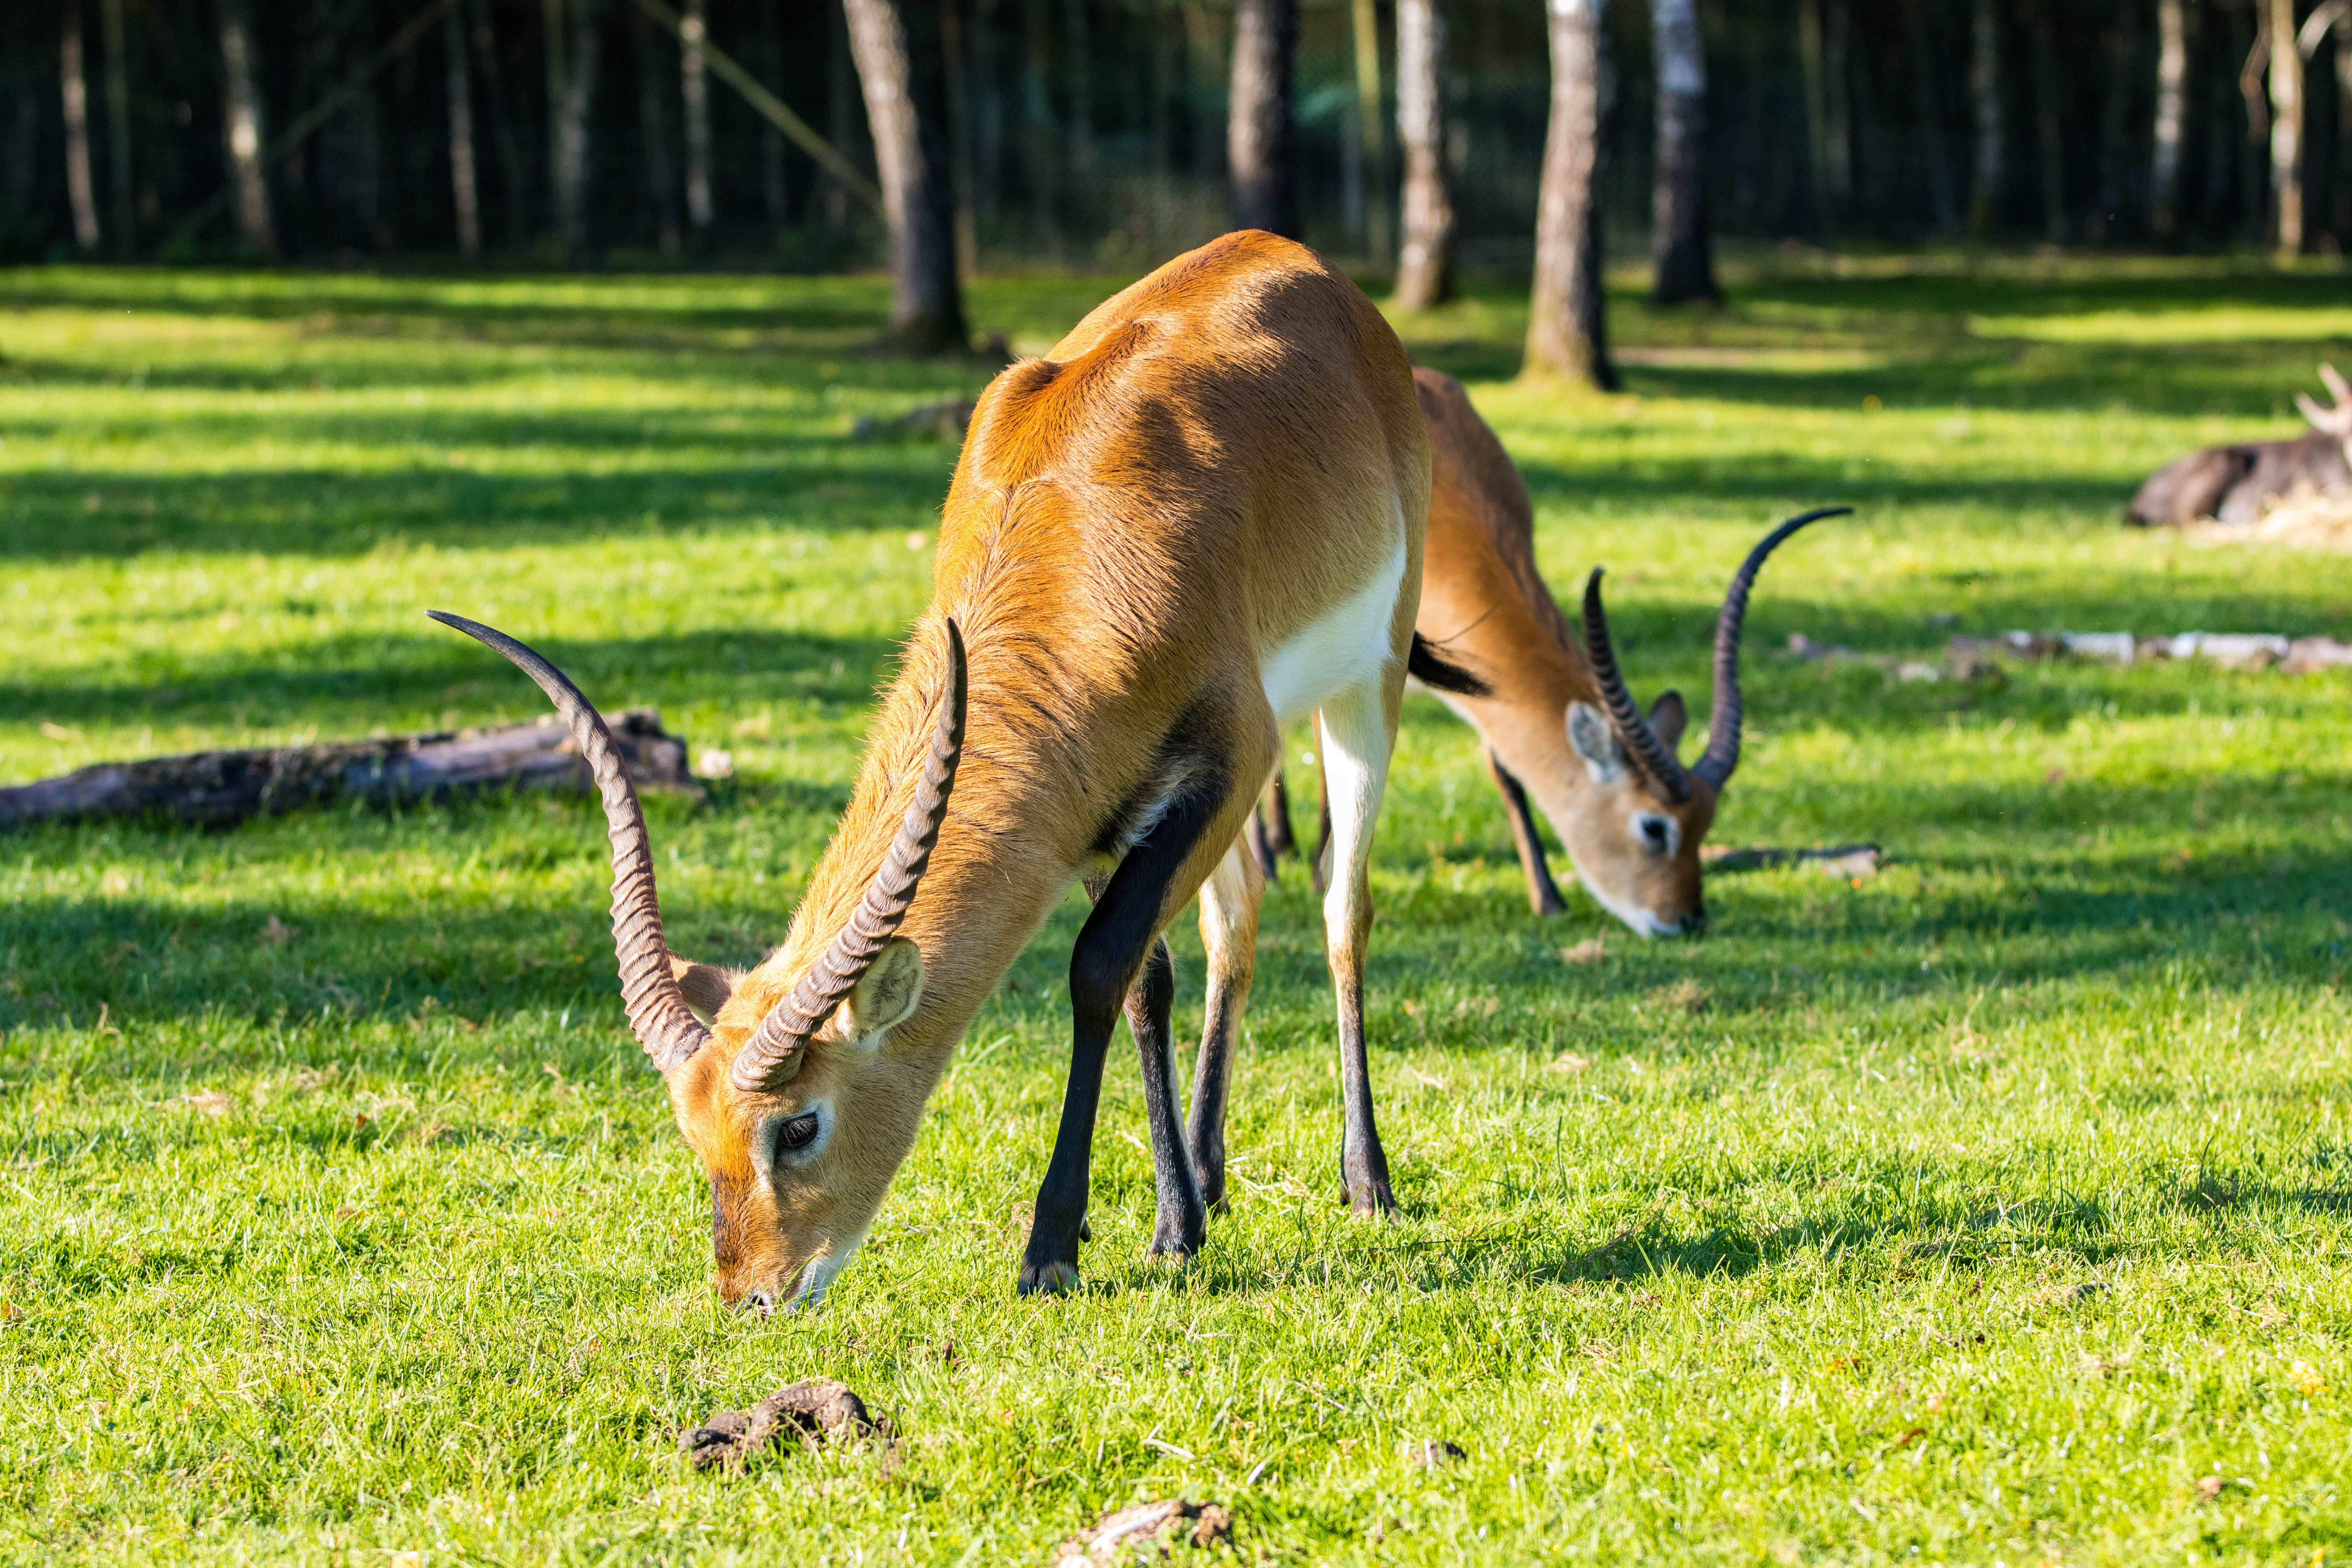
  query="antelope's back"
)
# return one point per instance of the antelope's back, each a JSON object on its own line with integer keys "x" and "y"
{"x": 1219, "y": 450}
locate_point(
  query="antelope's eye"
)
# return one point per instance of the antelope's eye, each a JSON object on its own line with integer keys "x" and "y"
{"x": 1658, "y": 833}
{"x": 798, "y": 1134}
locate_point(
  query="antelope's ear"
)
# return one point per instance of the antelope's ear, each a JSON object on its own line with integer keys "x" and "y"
{"x": 706, "y": 985}
{"x": 885, "y": 993}
{"x": 1591, "y": 737}
{"x": 1668, "y": 719}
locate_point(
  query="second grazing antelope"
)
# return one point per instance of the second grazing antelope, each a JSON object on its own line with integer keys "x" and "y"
{"x": 2236, "y": 483}
{"x": 1558, "y": 722}
{"x": 1197, "y": 519}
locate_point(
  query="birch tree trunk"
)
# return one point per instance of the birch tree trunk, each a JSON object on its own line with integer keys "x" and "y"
{"x": 901, "y": 71}
{"x": 1259, "y": 149}
{"x": 2171, "y": 115}
{"x": 2286, "y": 132}
{"x": 118, "y": 124}
{"x": 241, "y": 126}
{"x": 1567, "y": 336}
{"x": 1426, "y": 262}
{"x": 74, "y": 89}
{"x": 572, "y": 148}
{"x": 694, "y": 98}
{"x": 464, "y": 191}
{"x": 1984, "y": 96}
{"x": 1680, "y": 250}
{"x": 1371, "y": 126}
{"x": 653, "y": 132}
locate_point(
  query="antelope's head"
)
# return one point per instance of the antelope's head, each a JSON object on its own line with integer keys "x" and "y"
{"x": 796, "y": 1109}
{"x": 1635, "y": 840}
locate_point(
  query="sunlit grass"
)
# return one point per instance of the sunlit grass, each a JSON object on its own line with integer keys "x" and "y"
{"x": 1991, "y": 1209}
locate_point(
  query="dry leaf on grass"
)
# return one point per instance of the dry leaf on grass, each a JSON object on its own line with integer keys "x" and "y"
{"x": 1429, "y": 1453}
{"x": 1569, "y": 1063}
{"x": 1592, "y": 949}
{"x": 209, "y": 1102}
{"x": 275, "y": 932}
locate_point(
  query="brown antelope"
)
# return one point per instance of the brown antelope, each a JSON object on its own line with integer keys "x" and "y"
{"x": 1198, "y": 519}
{"x": 1557, "y": 719}
{"x": 2235, "y": 484}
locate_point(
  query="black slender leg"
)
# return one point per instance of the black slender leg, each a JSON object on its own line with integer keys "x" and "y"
{"x": 1103, "y": 965}
{"x": 1363, "y": 1164}
{"x": 1182, "y": 1214}
{"x": 1543, "y": 893}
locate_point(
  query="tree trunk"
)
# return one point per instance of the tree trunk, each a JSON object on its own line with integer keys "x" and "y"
{"x": 899, "y": 66}
{"x": 1081, "y": 85}
{"x": 2171, "y": 115}
{"x": 1371, "y": 127}
{"x": 1204, "y": 45}
{"x": 1837, "y": 104}
{"x": 1926, "y": 64}
{"x": 2121, "y": 40}
{"x": 2046, "y": 89}
{"x": 2344, "y": 132}
{"x": 464, "y": 191}
{"x": 1984, "y": 94}
{"x": 241, "y": 125}
{"x": 652, "y": 131}
{"x": 1041, "y": 148}
{"x": 953, "y": 46}
{"x": 772, "y": 193}
{"x": 694, "y": 98}
{"x": 2286, "y": 132}
{"x": 841, "y": 94}
{"x": 1680, "y": 250}
{"x": 1566, "y": 334}
{"x": 1259, "y": 149}
{"x": 118, "y": 125}
{"x": 572, "y": 148}
{"x": 551, "y": 34}
{"x": 514, "y": 168}
{"x": 220, "y": 789}
{"x": 74, "y": 86}
{"x": 1425, "y": 261}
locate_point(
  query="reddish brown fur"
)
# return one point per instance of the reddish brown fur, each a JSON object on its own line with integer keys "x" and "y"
{"x": 1485, "y": 606}
{"x": 1204, "y": 466}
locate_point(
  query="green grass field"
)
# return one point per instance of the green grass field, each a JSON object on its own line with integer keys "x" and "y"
{"x": 1996, "y": 1209}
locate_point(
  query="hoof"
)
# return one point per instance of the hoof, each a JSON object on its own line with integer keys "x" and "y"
{"x": 1178, "y": 1240}
{"x": 1371, "y": 1199}
{"x": 1054, "y": 1279}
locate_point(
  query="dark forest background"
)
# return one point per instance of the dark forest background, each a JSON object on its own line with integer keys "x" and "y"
{"x": 1093, "y": 132}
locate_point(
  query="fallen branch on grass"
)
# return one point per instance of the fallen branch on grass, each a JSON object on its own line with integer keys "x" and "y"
{"x": 220, "y": 789}
{"x": 1844, "y": 860}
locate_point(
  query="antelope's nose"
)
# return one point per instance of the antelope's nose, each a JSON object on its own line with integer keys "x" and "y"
{"x": 1690, "y": 924}
{"x": 756, "y": 1303}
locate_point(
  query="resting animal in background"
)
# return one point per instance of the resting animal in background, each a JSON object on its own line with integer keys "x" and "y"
{"x": 2232, "y": 484}
{"x": 1199, "y": 520}
{"x": 1557, "y": 721}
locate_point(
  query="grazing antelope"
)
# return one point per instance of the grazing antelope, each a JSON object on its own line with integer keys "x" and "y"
{"x": 1557, "y": 721}
{"x": 2233, "y": 484}
{"x": 1198, "y": 519}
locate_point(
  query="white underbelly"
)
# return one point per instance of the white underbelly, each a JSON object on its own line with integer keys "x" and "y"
{"x": 1344, "y": 647}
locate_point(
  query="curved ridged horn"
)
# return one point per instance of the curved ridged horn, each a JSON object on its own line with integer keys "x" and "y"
{"x": 1649, "y": 754}
{"x": 659, "y": 1015}
{"x": 771, "y": 1057}
{"x": 1722, "y": 754}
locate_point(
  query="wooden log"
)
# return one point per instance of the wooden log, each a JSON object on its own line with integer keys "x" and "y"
{"x": 220, "y": 789}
